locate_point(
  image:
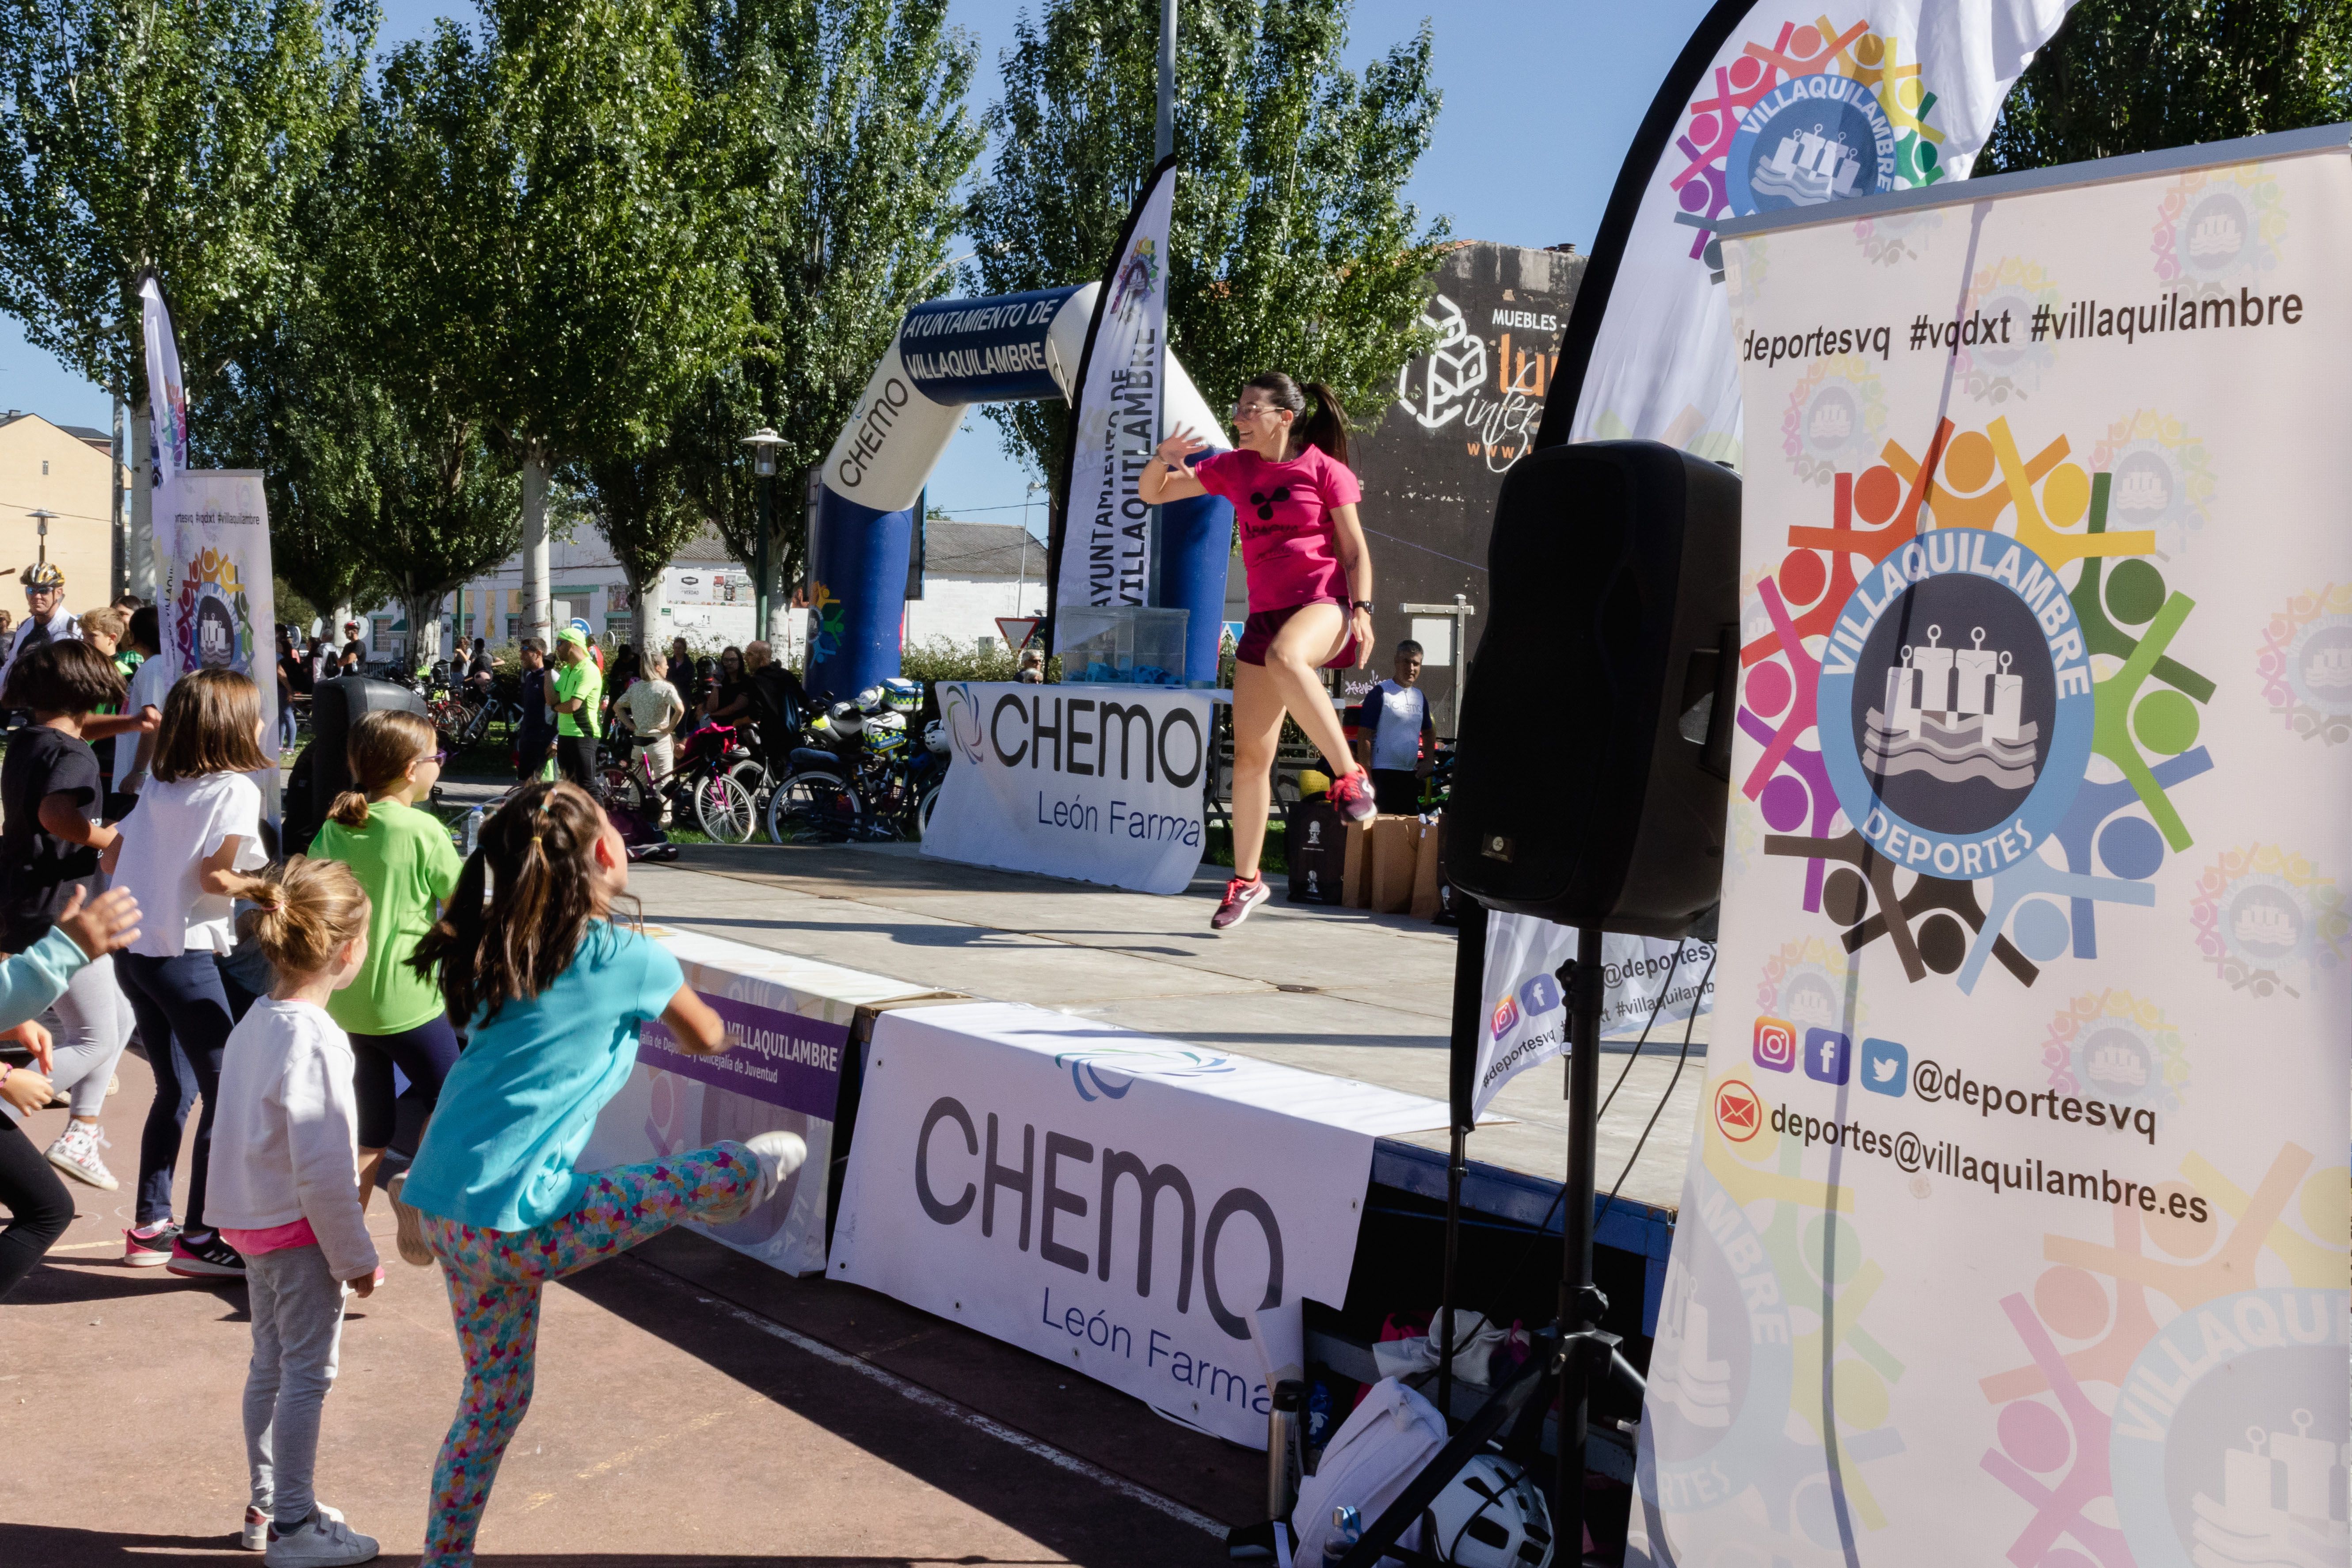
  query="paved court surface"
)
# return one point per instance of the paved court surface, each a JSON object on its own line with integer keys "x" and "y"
{"x": 691, "y": 1407}
{"x": 1337, "y": 991}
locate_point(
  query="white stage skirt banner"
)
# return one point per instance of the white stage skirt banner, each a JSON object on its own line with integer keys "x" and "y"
{"x": 1119, "y": 1203}
{"x": 1645, "y": 984}
{"x": 2015, "y": 1228}
{"x": 1097, "y": 783}
{"x": 788, "y": 1021}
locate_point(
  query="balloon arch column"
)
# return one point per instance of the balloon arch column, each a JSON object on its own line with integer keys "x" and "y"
{"x": 950, "y": 354}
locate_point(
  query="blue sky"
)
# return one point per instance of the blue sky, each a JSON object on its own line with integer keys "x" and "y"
{"x": 1543, "y": 98}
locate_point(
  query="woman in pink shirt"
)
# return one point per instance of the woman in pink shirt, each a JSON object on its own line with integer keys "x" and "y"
{"x": 1310, "y": 594}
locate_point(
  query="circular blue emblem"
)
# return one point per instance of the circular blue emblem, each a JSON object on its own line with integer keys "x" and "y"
{"x": 1955, "y": 704}
{"x": 1812, "y": 140}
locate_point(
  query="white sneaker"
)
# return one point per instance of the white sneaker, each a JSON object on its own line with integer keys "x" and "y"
{"x": 257, "y": 1526}
{"x": 76, "y": 1153}
{"x": 777, "y": 1155}
{"x": 413, "y": 1248}
{"x": 321, "y": 1541}
{"x": 780, "y": 1154}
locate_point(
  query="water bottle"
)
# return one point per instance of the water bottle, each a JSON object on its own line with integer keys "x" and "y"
{"x": 1346, "y": 1529}
{"x": 473, "y": 831}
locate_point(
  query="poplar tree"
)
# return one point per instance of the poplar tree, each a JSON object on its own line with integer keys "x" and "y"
{"x": 1291, "y": 246}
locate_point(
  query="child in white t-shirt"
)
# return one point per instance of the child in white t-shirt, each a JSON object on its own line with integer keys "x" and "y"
{"x": 185, "y": 853}
{"x": 285, "y": 1193}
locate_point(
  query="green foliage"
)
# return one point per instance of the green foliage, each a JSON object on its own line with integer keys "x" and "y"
{"x": 850, "y": 142}
{"x": 1292, "y": 247}
{"x": 939, "y": 659}
{"x": 2133, "y": 76}
{"x": 646, "y": 517}
{"x": 165, "y": 134}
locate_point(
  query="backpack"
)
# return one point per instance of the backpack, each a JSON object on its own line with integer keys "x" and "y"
{"x": 1316, "y": 843}
{"x": 1374, "y": 1455}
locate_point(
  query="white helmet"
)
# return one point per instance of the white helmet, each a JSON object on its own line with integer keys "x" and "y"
{"x": 870, "y": 699}
{"x": 1489, "y": 1516}
{"x": 935, "y": 736}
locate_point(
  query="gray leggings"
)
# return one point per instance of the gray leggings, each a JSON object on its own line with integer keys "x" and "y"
{"x": 94, "y": 1023}
{"x": 298, "y": 1327}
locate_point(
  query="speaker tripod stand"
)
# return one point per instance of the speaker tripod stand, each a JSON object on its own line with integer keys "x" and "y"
{"x": 1571, "y": 1355}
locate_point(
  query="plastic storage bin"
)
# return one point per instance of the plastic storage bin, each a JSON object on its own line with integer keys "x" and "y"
{"x": 1124, "y": 645}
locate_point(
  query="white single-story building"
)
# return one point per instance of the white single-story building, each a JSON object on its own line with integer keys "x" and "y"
{"x": 973, "y": 573}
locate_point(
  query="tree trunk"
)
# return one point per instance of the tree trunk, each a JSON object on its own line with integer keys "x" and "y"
{"x": 649, "y": 637}
{"x": 142, "y": 567}
{"x": 538, "y": 618}
{"x": 424, "y": 614}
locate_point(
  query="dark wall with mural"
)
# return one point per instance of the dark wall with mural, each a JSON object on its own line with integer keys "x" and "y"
{"x": 1432, "y": 466}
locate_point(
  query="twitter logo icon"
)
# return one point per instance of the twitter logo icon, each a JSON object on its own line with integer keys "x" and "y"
{"x": 1885, "y": 1067}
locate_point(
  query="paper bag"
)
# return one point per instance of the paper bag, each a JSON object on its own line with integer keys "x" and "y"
{"x": 1396, "y": 844}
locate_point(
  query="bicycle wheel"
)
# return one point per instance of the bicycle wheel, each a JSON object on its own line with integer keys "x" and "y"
{"x": 724, "y": 809}
{"x": 923, "y": 812}
{"x": 812, "y": 808}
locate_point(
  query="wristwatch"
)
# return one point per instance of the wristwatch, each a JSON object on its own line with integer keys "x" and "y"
{"x": 1363, "y": 605}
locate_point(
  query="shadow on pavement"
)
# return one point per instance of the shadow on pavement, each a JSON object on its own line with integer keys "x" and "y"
{"x": 55, "y": 1547}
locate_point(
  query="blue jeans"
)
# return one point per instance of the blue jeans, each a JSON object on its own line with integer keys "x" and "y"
{"x": 286, "y": 729}
{"x": 179, "y": 1001}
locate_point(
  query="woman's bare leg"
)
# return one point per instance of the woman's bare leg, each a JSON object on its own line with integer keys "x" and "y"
{"x": 1308, "y": 641}
{"x": 1257, "y": 731}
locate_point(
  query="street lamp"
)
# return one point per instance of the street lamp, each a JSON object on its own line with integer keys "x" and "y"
{"x": 40, "y": 516}
{"x": 763, "y": 443}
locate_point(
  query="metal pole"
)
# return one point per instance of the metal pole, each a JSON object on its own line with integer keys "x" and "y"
{"x": 118, "y": 561}
{"x": 1469, "y": 1015}
{"x": 1163, "y": 139}
{"x": 1579, "y": 1304}
{"x": 759, "y": 557}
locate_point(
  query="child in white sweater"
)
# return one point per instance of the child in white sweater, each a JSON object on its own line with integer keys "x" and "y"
{"x": 285, "y": 1191}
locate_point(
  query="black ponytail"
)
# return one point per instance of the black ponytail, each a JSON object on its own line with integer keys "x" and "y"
{"x": 1321, "y": 420}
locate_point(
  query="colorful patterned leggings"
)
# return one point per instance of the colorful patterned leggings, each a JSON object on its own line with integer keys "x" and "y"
{"x": 494, "y": 1278}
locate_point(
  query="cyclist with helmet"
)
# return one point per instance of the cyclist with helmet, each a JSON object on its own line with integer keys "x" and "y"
{"x": 1310, "y": 594}
{"x": 46, "y": 619}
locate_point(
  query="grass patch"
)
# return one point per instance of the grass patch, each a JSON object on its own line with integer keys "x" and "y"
{"x": 1218, "y": 848}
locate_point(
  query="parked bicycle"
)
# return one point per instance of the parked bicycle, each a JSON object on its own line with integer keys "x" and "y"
{"x": 863, "y": 777}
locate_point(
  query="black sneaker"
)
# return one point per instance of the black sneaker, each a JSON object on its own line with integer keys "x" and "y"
{"x": 146, "y": 1249}
{"x": 211, "y": 1258}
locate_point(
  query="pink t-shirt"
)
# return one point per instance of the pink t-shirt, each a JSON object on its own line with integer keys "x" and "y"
{"x": 1289, "y": 546}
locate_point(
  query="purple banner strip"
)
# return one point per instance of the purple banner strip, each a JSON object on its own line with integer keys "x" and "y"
{"x": 779, "y": 1058}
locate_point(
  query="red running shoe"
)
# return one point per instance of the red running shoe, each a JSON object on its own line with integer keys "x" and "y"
{"x": 1353, "y": 795}
{"x": 1241, "y": 897}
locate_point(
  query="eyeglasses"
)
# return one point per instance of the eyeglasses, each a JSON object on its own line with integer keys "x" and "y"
{"x": 440, "y": 758}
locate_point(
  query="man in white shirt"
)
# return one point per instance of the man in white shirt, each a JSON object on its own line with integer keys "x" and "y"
{"x": 1395, "y": 738}
{"x": 651, "y": 709}
{"x": 46, "y": 619}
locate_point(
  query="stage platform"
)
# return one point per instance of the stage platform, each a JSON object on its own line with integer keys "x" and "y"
{"x": 1336, "y": 991}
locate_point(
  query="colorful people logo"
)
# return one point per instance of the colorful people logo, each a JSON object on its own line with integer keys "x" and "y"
{"x": 1983, "y": 636}
{"x": 1813, "y": 116}
{"x": 213, "y": 624}
{"x": 1135, "y": 281}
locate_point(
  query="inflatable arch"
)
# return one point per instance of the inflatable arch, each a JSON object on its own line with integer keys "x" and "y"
{"x": 947, "y": 354}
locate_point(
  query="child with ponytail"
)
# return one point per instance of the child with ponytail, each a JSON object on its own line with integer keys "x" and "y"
{"x": 285, "y": 1193}
{"x": 1310, "y": 594}
{"x": 552, "y": 991}
{"x": 404, "y": 860}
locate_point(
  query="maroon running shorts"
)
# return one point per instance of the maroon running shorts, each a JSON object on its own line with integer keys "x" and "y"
{"x": 1257, "y": 636}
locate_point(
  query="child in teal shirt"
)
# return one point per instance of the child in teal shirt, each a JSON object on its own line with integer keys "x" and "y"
{"x": 553, "y": 991}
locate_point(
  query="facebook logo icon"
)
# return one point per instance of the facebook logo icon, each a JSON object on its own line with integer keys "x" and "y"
{"x": 1829, "y": 1054}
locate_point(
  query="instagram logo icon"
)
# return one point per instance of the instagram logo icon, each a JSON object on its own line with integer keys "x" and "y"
{"x": 1776, "y": 1045}
{"x": 1507, "y": 1016}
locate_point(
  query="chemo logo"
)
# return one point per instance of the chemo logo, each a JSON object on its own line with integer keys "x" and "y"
{"x": 1776, "y": 1045}
{"x": 1108, "y": 1072}
{"x": 1947, "y": 802}
{"x": 1816, "y": 116}
{"x": 965, "y": 730}
{"x": 2305, "y": 663}
{"x": 1135, "y": 280}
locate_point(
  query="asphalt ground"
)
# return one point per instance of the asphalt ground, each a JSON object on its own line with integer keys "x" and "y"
{"x": 691, "y": 1407}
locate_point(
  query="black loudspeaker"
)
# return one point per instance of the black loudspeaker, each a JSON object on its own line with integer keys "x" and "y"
{"x": 323, "y": 771}
{"x": 1596, "y": 727}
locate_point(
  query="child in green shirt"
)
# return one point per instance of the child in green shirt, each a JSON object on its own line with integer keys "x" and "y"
{"x": 579, "y": 693}
{"x": 402, "y": 857}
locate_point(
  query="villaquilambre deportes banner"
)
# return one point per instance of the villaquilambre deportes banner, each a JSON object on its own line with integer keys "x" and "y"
{"x": 2015, "y": 1227}
{"x": 1095, "y": 783}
